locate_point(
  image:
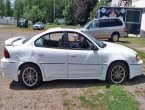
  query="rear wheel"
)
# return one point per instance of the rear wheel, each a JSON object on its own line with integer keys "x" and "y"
{"x": 117, "y": 73}
{"x": 30, "y": 76}
{"x": 115, "y": 37}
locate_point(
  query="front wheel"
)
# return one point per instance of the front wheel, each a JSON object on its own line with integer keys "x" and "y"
{"x": 117, "y": 73}
{"x": 30, "y": 76}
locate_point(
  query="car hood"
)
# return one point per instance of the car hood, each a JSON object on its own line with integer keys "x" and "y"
{"x": 118, "y": 47}
{"x": 15, "y": 41}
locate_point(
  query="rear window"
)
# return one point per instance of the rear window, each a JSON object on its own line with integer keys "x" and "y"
{"x": 26, "y": 40}
{"x": 110, "y": 22}
{"x": 51, "y": 40}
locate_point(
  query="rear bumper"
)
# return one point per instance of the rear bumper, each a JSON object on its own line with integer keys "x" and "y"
{"x": 136, "y": 70}
{"x": 10, "y": 69}
{"x": 36, "y": 27}
{"x": 124, "y": 34}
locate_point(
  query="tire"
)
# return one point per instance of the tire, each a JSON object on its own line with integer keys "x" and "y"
{"x": 115, "y": 37}
{"x": 117, "y": 73}
{"x": 30, "y": 76}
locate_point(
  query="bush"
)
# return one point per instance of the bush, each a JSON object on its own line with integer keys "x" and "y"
{"x": 56, "y": 22}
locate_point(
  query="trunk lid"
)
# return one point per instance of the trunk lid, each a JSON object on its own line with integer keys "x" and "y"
{"x": 15, "y": 41}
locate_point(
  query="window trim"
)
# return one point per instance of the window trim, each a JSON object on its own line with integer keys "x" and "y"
{"x": 49, "y": 38}
{"x": 84, "y": 38}
{"x": 65, "y": 33}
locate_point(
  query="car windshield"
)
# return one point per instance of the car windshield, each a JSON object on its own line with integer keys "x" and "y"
{"x": 87, "y": 24}
{"x": 98, "y": 42}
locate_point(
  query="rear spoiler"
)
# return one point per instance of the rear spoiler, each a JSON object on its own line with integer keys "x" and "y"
{"x": 10, "y": 41}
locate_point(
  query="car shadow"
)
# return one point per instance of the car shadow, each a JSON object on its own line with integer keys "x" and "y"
{"x": 123, "y": 42}
{"x": 137, "y": 80}
{"x": 58, "y": 84}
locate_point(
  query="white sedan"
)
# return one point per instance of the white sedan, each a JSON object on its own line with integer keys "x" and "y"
{"x": 67, "y": 54}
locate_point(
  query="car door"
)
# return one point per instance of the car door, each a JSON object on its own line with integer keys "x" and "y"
{"x": 106, "y": 28}
{"x": 82, "y": 61}
{"x": 93, "y": 29}
{"x": 51, "y": 55}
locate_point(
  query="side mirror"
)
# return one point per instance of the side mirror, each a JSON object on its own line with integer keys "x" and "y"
{"x": 93, "y": 47}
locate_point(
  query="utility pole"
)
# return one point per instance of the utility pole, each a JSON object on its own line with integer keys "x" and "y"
{"x": 54, "y": 11}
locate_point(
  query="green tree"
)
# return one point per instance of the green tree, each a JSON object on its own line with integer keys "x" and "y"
{"x": 45, "y": 6}
{"x": 2, "y": 11}
{"x": 18, "y": 9}
{"x": 83, "y": 9}
{"x": 93, "y": 14}
{"x": 68, "y": 12}
{"x": 8, "y": 8}
{"x": 35, "y": 14}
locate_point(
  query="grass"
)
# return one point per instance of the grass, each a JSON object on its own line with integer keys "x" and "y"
{"x": 114, "y": 98}
{"x": 140, "y": 42}
{"x": 134, "y": 40}
{"x": 118, "y": 99}
{"x": 66, "y": 102}
{"x": 30, "y": 27}
{"x": 141, "y": 54}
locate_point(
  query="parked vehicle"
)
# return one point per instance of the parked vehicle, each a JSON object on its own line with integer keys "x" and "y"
{"x": 132, "y": 16}
{"x": 106, "y": 28}
{"x": 38, "y": 26}
{"x": 67, "y": 54}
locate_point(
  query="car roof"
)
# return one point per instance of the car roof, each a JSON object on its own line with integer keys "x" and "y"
{"x": 108, "y": 18}
{"x": 51, "y": 30}
{"x": 57, "y": 29}
{"x": 62, "y": 29}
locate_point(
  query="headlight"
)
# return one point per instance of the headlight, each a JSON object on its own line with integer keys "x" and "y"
{"x": 137, "y": 58}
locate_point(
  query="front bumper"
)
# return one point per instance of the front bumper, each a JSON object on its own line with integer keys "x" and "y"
{"x": 10, "y": 69}
{"x": 136, "y": 70}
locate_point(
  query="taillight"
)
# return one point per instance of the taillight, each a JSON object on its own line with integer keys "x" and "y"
{"x": 125, "y": 30}
{"x": 6, "y": 53}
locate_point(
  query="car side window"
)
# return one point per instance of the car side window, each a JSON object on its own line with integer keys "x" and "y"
{"x": 103, "y": 23}
{"x": 52, "y": 40}
{"x": 78, "y": 42}
{"x": 114, "y": 22}
{"x": 110, "y": 23}
{"x": 93, "y": 25}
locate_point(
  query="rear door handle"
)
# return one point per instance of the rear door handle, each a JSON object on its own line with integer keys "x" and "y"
{"x": 40, "y": 54}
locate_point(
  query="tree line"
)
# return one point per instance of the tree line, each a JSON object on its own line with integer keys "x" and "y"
{"x": 73, "y": 11}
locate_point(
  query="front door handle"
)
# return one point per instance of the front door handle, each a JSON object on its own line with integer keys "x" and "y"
{"x": 72, "y": 55}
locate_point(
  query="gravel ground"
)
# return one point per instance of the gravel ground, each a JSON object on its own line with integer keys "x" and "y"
{"x": 51, "y": 95}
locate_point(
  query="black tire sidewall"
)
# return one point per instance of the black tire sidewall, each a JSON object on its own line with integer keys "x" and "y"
{"x": 110, "y": 69}
{"x": 39, "y": 80}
